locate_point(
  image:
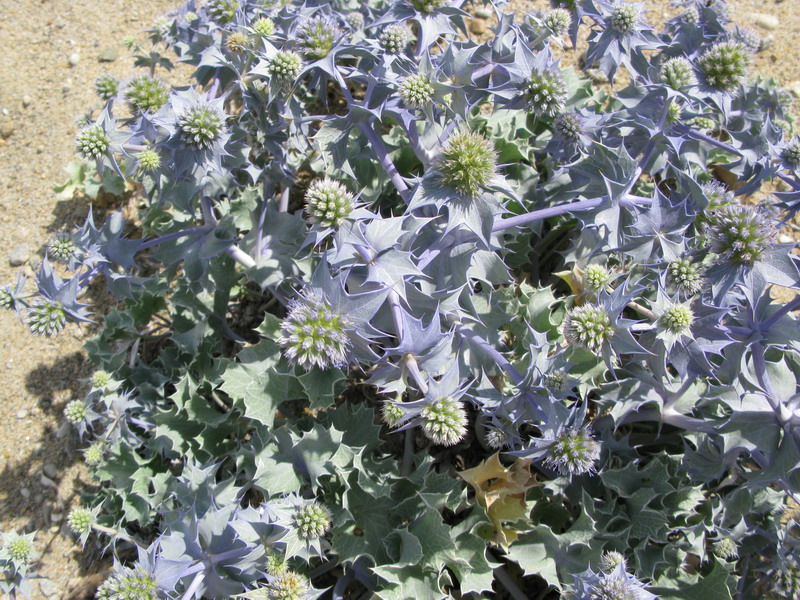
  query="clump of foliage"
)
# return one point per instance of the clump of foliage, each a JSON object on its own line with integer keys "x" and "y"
{"x": 413, "y": 316}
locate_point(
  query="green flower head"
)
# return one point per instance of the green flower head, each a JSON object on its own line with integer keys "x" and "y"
{"x": 312, "y": 521}
{"x": 75, "y": 411}
{"x": 92, "y": 142}
{"x": 201, "y": 126}
{"x": 467, "y": 162}
{"x": 328, "y": 202}
{"x": 573, "y": 452}
{"x": 106, "y": 86}
{"x": 685, "y": 276}
{"x": 46, "y": 317}
{"x": 313, "y": 334}
{"x": 145, "y": 93}
{"x": 588, "y": 327}
{"x": 416, "y": 91}
{"x": 394, "y": 38}
{"x": 444, "y": 422}
{"x": 128, "y": 584}
{"x": 677, "y": 73}
{"x": 724, "y": 66}
{"x": 285, "y": 66}
{"x": 80, "y": 520}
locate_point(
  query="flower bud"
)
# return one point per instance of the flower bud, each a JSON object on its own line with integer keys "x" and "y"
{"x": 92, "y": 142}
{"x": 677, "y": 73}
{"x": 312, "y": 521}
{"x": 75, "y": 411}
{"x": 573, "y": 452}
{"x": 717, "y": 195}
{"x": 62, "y": 247}
{"x": 557, "y": 382}
{"x": 558, "y": 21}
{"x": 726, "y": 548}
{"x": 46, "y": 317}
{"x": 6, "y": 298}
{"x": 685, "y": 276}
{"x": 313, "y": 334}
{"x": 288, "y": 586}
{"x": 588, "y": 327}
{"x": 791, "y": 154}
{"x": 625, "y": 17}
{"x": 145, "y": 93}
{"x": 201, "y": 126}
{"x": 611, "y": 560}
{"x": 328, "y": 203}
{"x": 596, "y": 277}
{"x": 106, "y": 86}
{"x": 18, "y": 547}
{"x": 496, "y": 438}
{"x": 237, "y": 42}
{"x": 467, "y": 163}
{"x": 264, "y": 27}
{"x": 128, "y": 584}
{"x": 355, "y": 20}
{"x": 80, "y": 520}
{"x": 677, "y": 319}
{"x": 100, "y": 379}
{"x": 394, "y": 38}
{"x": 724, "y": 66}
{"x": 286, "y": 66}
{"x": 546, "y": 91}
{"x": 149, "y": 160}
{"x": 94, "y": 454}
{"x": 568, "y": 126}
{"x": 444, "y": 422}
{"x": 391, "y": 413}
{"x": 416, "y": 91}
{"x": 748, "y": 38}
{"x": 222, "y": 11}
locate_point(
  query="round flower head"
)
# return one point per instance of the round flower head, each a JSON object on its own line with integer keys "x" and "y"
{"x": 93, "y": 455}
{"x": 677, "y": 319}
{"x": 703, "y": 123}
{"x": 588, "y": 326}
{"x": 288, "y": 586}
{"x": 46, "y": 317}
{"x": 546, "y": 91}
{"x": 791, "y": 154}
{"x": 75, "y": 411}
{"x": 673, "y": 113}
{"x": 312, "y": 521}
{"x": 128, "y": 584}
{"x": 748, "y": 38}
{"x": 568, "y": 126}
{"x": 685, "y": 276}
{"x": 145, "y": 93}
{"x": 558, "y": 21}
{"x": 496, "y": 438}
{"x": 416, "y": 91}
{"x": 80, "y": 520}
{"x": 286, "y": 66}
{"x": 394, "y": 38}
{"x": 275, "y": 564}
{"x": 717, "y": 195}
{"x": 237, "y": 42}
{"x": 101, "y": 379}
{"x": 92, "y": 142}
{"x": 596, "y": 277}
{"x": 106, "y": 86}
{"x": 222, "y": 11}
{"x": 355, "y": 20}
{"x": 677, "y": 73}
{"x": 573, "y": 452}
{"x": 149, "y": 160}
{"x": 726, "y": 548}
{"x": 313, "y": 334}
{"x": 467, "y": 163}
{"x": 611, "y": 560}
{"x": 18, "y": 547}
{"x": 62, "y": 247}
{"x": 201, "y": 126}
{"x": 391, "y": 413}
{"x": 690, "y": 15}
{"x": 444, "y": 422}
{"x": 6, "y": 298}
{"x": 557, "y": 382}
{"x": 625, "y": 17}
{"x": 741, "y": 234}
{"x": 264, "y": 27}
{"x": 427, "y": 6}
{"x": 614, "y": 588}
{"x": 328, "y": 202}
{"x": 317, "y": 35}
{"x": 724, "y": 66}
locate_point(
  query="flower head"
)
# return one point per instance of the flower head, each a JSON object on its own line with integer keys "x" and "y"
{"x": 467, "y": 163}
{"x": 313, "y": 334}
{"x": 317, "y": 35}
{"x": 416, "y": 91}
{"x": 92, "y": 142}
{"x": 557, "y": 382}
{"x": 614, "y": 588}
{"x": 149, "y": 160}
{"x": 748, "y": 38}
{"x": 6, "y": 298}
{"x": 312, "y": 521}
{"x": 724, "y": 66}
{"x": 625, "y": 17}
{"x": 288, "y": 586}
{"x": 328, "y": 202}
{"x": 391, "y": 413}
{"x": 588, "y": 326}
{"x": 101, "y": 379}
{"x": 568, "y": 126}
{"x": 685, "y": 276}
{"x": 741, "y": 234}
{"x": 94, "y": 454}
{"x": 791, "y": 154}
{"x": 19, "y": 548}
{"x": 677, "y": 319}
{"x": 394, "y": 38}
{"x": 201, "y": 126}
{"x": 573, "y": 452}
{"x": 611, "y": 560}
{"x": 444, "y": 422}
{"x": 145, "y": 93}
{"x": 264, "y": 27}
{"x": 75, "y": 411}
{"x": 222, "y": 11}
{"x": 237, "y": 42}
{"x": 496, "y": 438}
{"x": 80, "y": 520}
{"x": 355, "y": 20}
{"x": 427, "y": 6}
{"x": 558, "y": 21}
{"x": 46, "y": 317}
{"x": 677, "y": 73}
{"x": 286, "y": 66}
{"x": 546, "y": 91}
{"x": 128, "y": 584}
{"x": 726, "y": 548}
{"x": 596, "y": 277}
{"x": 717, "y": 195}
{"x": 62, "y": 247}
{"x": 106, "y": 86}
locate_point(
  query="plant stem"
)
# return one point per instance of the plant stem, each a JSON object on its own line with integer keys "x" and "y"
{"x": 383, "y": 157}
{"x": 196, "y": 583}
{"x": 283, "y": 206}
{"x": 697, "y": 135}
{"x": 643, "y": 311}
{"x": 783, "y": 310}
{"x": 240, "y": 256}
{"x": 505, "y": 579}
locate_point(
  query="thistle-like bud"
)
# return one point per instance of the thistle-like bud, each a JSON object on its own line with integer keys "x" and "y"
{"x": 546, "y": 91}
{"x": 726, "y": 548}
{"x": 18, "y": 547}
{"x": 75, "y": 411}
{"x": 391, "y": 413}
{"x": 149, "y": 160}
{"x": 444, "y": 422}
{"x": 276, "y": 565}
{"x": 46, "y": 317}
{"x": 264, "y": 27}
{"x": 312, "y": 521}
{"x": 201, "y": 126}
{"x": 748, "y": 38}
{"x": 573, "y": 452}
{"x": 100, "y": 379}
{"x": 128, "y": 584}
{"x": 611, "y": 560}
{"x": 717, "y": 195}
{"x": 677, "y": 73}
{"x": 328, "y": 202}
{"x": 427, "y": 6}
{"x": 568, "y": 126}
{"x": 467, "y": 163}
{"x": 677, "y": 319}
{"x": 190, "y": 16}
{"x": 416, "y": 91}
{"x": 145, "y": 93}
{"x": 596, "y": 277}
{"x": 355, "y": 20}
{"x": 558, "y": 21}
{"x": 673, "y": 113}
{"x": 724, "y": 66}
{"x": 691, "y": 15}
{"x": 106, "y": 86}
{"x": 237, "y": 42}
{"x": 80, "y": 520}
{"x": 588, "y": 327}
{"x": 92, "y": 142}
{"x": 625, "y": 17}
{"x": 286, "y": 66}
{"x": 6, "y": 298}
{"x": 317, "y": 35}
{"x": 685, "y": 276}
{"x": 222, "y": 11}
{"x": 703, "y": 123}
{"x": 288, "y": 586}
{"x": 62, "y": 247}
{"x": 741, "y": 234}
{"x": 313, "y": 334}
{"x": 394, "y": 38}
{"x": 94, "y": 454}
{"x": 791, "y": 154}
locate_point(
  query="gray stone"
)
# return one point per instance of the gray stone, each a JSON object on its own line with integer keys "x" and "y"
{"x": 19, "y": 255}
{"x": 108, "y": 54}
{"x": 49, "y": 588}
{"x": 6, "y": 128}
{"x": 50, "y": 470}
{"x": 56, "y": 517}
{"x": 24, "y": 492}
{"x": 74, "y": 59}
{"x": 765, "y": 20}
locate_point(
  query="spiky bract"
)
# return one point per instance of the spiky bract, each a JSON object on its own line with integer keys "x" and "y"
{"x": 222, "y": 11}
{"x": 328, "y": 202}
{"x": 573, "y": 452}
{"x": 467, "y": 163}
{"x": 444, "y": 422}
{"x": 588, "y": 326}
{"x": 313, "y": 334}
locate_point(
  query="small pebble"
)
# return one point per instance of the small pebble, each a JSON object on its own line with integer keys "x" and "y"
{"x": 766, "y": 21}
{"x": 50, "y": 470}
{"x": 794, "y": 87}
{"x": 48, "y": 588}
{"x": 56, "y": 517}
{"x": 108, "y": 54}
{"x": 19, "y": 255}
{"x": 6, "y": 128}
{"x": 22, "y": 413}
{"x": 25, "y": 492}
{"x": 47, "y": 482}
{"x": 74, "y": 59}
{"x": 785, "y": 239}
{"x": 26, "y": 101}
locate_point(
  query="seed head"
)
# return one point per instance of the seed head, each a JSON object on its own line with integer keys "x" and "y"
{"x": 80, "y": 520}
{"x": 558, "y": 21}
{"x": 394, "y": 38}
{"x": 46, "y": 317}
{"x": 314, "y": 335}
{"x": 145, "y": 93}
{"x": 6, "y": 298}
{"x": 128, "y": 584}
{"x": 317, "y": 35}
{"x": 467, "y": 163}
{"x": 445, "y": 421}
{"x": 286, "y": 66}
{"x": 288, "y": 586}
{"x": 75, "y": 411}
{"x": 391, "y": 413}
{"x": 237, "y": 42}
{"x": 312, "y": 521}
{"x": 19, "y": 547}
{"x": 685, "y": 276}
{"x": 741, "y": 234}
{"x": 149, "y": 160}
{"x": 611, "y": 560}
{"x": 416, "y": 91}
{"x": 791, "y": 154}
{"x": 328, "y": 202}
{"x": 427, "y": 6}
{"x": 625, "y": 17}
{"x": 62, "y": 247}
{"x": 588, "y": 326}
{"x": 94, "y": 454}
{"x": 724, "y": 66}
{"x": 106, "y": 86}
{"x": 222, "y": 11}
{"x": 355, "y": 20}
{"x": 201, "y": 126}
{"x": 546, "y": 91}
{"x": 568, "y": 126}
{"x": 678, "y": 318}
{"x": 596, "y": 277}
{"x": 264, "y": 27}
{"x": 726, "y": 548}
{"x": 92, "y": 142}
{"x": 717, "y": 195}
{"x": 677, "y": 73}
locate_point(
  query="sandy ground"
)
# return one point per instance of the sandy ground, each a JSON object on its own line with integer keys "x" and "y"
{"x": 41, "y": 96}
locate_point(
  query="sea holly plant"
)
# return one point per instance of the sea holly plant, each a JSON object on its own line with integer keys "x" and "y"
{"x": 405, "y": 314}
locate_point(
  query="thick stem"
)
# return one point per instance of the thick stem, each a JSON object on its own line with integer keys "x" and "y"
{"x": 240, "y": 256}
{"x": 383, "y": 157}
{"x": 554, "y": 211}
{"x": 196, "y": 583}
{"x": 283, "y": 206}
{"x": 112, "y": 532}
{"x": 643, "y": 311}
{"x": 505, "y": 579}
